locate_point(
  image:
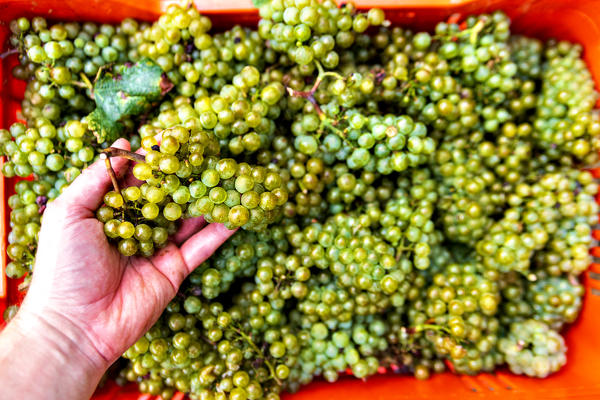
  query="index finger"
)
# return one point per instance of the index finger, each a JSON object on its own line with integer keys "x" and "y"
{"x": 203, "y": 244}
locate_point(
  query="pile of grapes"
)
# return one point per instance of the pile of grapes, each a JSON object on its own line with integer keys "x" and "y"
{"x": 404, "y": 199}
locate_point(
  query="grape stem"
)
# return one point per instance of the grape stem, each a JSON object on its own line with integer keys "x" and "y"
{"x": 9, "y": 53}
{"x": 279, "y": 283}
{"x": 473, "y": 32}
{"x": 400, "y": 249}
{"x": 207, "y": 340}
{"x": 111, "y": 171}
{"x": 101, "y": 69}
{"x": 248, "y": 340}
{"x": 309, "y": 95}
{"x": 87, "y": 84}
{"x": 438, "y": 328}
{"x": 432, "y": 327}
{"x": 23, "y": 286}
{"x": 80, "y": 84}
{"x": 478, "y": 27}
{"x": 116, "y": 152}
{"x": 327, "y": 123}
{"x": 323, "y": 73}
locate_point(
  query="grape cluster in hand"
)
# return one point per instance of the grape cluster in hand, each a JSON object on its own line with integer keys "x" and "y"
{"x": 407, "y": 200}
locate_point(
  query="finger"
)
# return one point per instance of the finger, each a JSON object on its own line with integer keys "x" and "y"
{"x": 88, "y": 189}
{"x": 188, "y": 227}
{"x": 170, "y": 263}
{"x": 203, "y": 244}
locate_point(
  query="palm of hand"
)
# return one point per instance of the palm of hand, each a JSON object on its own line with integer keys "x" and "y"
{"x": 81, "y": 279}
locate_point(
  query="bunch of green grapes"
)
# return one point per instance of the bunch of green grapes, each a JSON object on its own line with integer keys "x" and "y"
{"x": 124, "y": 215}
{"x": 509, "y": 156}
{"x": 240, "y": 115}
{"x": 527, "y": 54}
{"x": 564, "y": 122}
{"x": 346, "y": 246}
{"x": 466, "y": 203}
{"x": 554, "y": 300}
{"x": 383, "y": 144}
{"x": 44, "y": 149}
{"x": 330, "y": 352}
{"x": 390, "y": 143}
{"x": 307, "y": 179}
{"x": 349, "y": 188}
{"x": 183, "y": 177}
{"x": 406, "y": 218}
{"x": 195, "y": 59}
{"x": 205, "y": 350}
{"x": 327, "y": 302}
{"x": 49, "y": 45}
{"x": 422, "y": 82}
{"x": 172, "y": 39}
{"x": 314, "y": 30}
{"x": 533, "y": 349}
{"x": 246, "y": 254}
{"x": 479, "y": 54}
{"x": 25, "y": 218}
{"x": 354, "y": 86}
{"x": 457, "y": 315}
{"x": 506, "y": 247}
{"x": 571, "y": 211}
{"x": 322, "y": 300}
{"x": 514, "y": 306}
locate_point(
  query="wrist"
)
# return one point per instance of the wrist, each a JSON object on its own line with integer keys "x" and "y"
{"x": 55, "y": 351}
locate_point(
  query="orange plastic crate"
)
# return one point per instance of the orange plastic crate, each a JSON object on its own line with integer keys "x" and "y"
{"x": 575, "y": 20}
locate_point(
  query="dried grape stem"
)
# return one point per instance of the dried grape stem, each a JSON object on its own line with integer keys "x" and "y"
{"x": 116, "y": 152}
{"x": 111, "y": 171}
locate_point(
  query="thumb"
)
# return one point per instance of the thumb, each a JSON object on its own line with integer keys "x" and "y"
{"x": 88, "y": 189}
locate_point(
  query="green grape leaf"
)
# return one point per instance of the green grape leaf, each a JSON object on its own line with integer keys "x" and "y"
{"x": 103, "y": 127}
{"x": 258, "y": 3}
{"x": 128, "y": 90}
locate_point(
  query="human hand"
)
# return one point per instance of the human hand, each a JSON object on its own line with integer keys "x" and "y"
{"x": 82, "y": 286}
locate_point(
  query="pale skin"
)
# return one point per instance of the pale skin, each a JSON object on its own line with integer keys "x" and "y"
{"x": 87, "y": 303}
